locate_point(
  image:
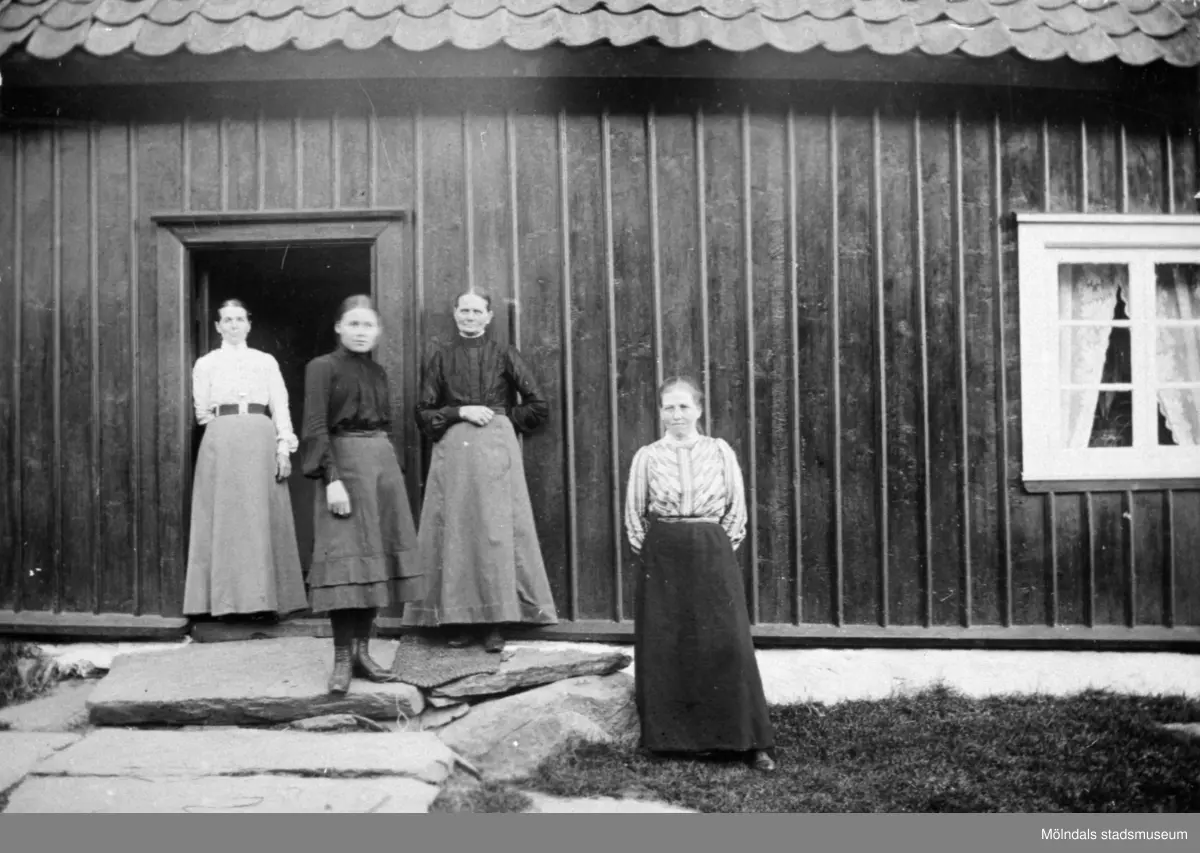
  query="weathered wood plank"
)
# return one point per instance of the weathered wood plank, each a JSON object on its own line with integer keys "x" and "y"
{"x": 1150, "y": 549}
{"x": 1184, "y": 170}
{"x": 946, "y": 509}
{"x": 678, "y": 239}
{"x": 159, "y": 187}
{"x": 278, "y": 162}
{"x": 443, "y": 228}
{"x": 727, "y": 346}
{"x": 489, "y": 210}
{"x": 204, "y": 140}
{"x": 1062, "y": 149}
{"x": 815, "y": 298}
{"x": 1102, "y": 138}
{"x": 588, "y": 339}
{"x": 76, "y": 370}
{"x": 540, "y": 259}
{"x": 394, "y": 161}
{"x": 1185, "y": 544}
{"x": 10, "y": 268}
{"x": 1145, "y": 167}
{"x": 1110, "y": 558}
{"x": 987, "y": 493}
{"x": 117, "y": 487}
{"x": 773, "y": 362}
{"x": 1020, "y": 191}
{"x": 317, "y": 174}
{"x": 1072, "y": 558}
{"x": 353, "y": 177}
{"x": 636, "y": 399}
{"x": 904, "y": 371}
{"x": 858, "y": 387}
{"x": 38, "y": 382}
{"x": 240, "y": 154}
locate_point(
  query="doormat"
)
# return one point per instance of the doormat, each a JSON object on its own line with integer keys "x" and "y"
{"x": 424, "y": 662}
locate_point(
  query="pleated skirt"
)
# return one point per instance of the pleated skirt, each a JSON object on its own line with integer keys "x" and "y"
{"x": 697, "y": 683}
{"x": 369, "y": 558}
{"x": 479, "y": 548}
{"x": 242, "y": 551}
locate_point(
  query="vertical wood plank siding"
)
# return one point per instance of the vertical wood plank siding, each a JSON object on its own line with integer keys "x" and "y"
{"x": 843, "y": 283}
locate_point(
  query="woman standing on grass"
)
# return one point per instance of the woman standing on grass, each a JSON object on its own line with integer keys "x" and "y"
{"x": 364, "y": 540}
{"x": 479, "y": 546}
{"x": 697, "y": 682}
{"x": 242, "y": 555}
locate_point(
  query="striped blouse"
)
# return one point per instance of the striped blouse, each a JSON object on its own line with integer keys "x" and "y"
{"x": 697, "y": 479}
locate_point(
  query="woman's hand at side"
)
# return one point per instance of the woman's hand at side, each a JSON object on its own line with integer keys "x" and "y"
{"x": 337, "y": 498}
{"x": 478, "y": 415}
{"x": 283, "y": 467}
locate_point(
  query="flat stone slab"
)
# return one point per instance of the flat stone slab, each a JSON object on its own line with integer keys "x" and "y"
{"x": 22, "y": 751}
{"x": 531, "y": 667}
{"x": 250, "y": 752}
{"x": 548, "y": 804}
{"x": 62, "y": 709}
{"x": 256, "y": 682}
{"x": 220, "y": 795}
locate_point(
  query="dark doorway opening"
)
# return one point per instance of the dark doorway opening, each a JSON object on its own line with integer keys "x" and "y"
{"x": 292, "y": 293}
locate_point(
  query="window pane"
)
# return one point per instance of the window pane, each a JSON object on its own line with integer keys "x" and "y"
{"x": 1178, "y": 291}
{"x": 1178, "y": 353}
{"x": 1097, "y": 418}
{"x": 1179, "y": 412}
{"x": 1091, "y": 355}
{"x": 1092, "y": 291}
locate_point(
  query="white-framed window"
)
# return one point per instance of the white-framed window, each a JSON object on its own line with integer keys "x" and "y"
{"x": 1110, "y": 349}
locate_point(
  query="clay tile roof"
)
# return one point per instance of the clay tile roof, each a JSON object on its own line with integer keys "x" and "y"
{"x": 1135, "y": 32}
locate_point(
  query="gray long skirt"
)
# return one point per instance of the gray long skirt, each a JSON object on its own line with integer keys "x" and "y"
{"x": 242, "y": 553}
{"x": 369, "y": 558}
{"x": 478, "y": 544}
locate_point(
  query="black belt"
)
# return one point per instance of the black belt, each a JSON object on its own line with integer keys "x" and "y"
{"x": 235, "y": 409}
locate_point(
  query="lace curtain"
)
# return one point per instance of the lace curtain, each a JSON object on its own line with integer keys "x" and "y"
{"x": 1178, "y": 349}
{"x": 1086, "y": 292}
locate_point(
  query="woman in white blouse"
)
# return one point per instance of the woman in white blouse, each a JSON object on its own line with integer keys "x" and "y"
{"x": 242, "y": 555}
{"x": 697, "y": 683}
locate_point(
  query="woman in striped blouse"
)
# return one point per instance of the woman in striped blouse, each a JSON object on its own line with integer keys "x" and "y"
{"x": 697, "y": 682}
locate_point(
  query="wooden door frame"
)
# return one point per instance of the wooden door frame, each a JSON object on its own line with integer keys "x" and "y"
{"x": 386, "y": 231}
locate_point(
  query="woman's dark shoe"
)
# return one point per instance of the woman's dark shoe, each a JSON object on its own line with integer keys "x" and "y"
{"x": 763, "y": 762}
{"x": 459, "y": 641}
{"x": 339, "y": 680}
{"x": 364, "y": 667}
{"x": 494, "y": 641}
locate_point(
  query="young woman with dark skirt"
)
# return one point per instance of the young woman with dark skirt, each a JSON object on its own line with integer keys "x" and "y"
{"x": 697, "y": 684}
{"x": 364, "y": 545}
{"x": 479, "y": 547}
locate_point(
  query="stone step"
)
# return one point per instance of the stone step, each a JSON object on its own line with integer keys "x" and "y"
{"x": 20, "y": 752}
{"x": 217, "y": 795}
{"x": 248, "y": 752}
{"x": 257, "y": 682}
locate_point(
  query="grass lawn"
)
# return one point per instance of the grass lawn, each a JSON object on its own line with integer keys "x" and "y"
{"x": 932, "y": 752}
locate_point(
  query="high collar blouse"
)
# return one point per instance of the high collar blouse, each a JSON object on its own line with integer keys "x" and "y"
{"x": 478, "y": 372}
{"x": 343, "y": 392}
{"x": 237, "y": 373}
{"x": 695, "y": 478}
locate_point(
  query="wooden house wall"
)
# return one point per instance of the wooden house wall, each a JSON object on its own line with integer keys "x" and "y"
{"x": 841, "y": 275}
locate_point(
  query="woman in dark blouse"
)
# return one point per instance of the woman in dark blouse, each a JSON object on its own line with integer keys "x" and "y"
{"x": 478, "y": 546}
{"x": 364, "y": 534}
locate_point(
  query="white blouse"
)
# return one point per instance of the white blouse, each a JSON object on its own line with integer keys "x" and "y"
{"x": 236, "y": 373}
{"x": 693, "y": 479}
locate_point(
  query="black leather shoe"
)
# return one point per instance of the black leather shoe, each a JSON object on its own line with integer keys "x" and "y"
{"x": 494, "y": 641}
{"x": 365, "y": 667}
{"x": 339, "y": 680}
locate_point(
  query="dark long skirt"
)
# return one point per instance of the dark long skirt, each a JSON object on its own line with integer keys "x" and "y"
{"x": 369, "y": 558}
{"x": 697, "y": 682}
{"x": 479, "y": 547}
{"x": 242, "y": 554}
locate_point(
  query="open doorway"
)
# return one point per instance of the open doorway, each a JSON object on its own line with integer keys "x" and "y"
{"x": 292, "y": 293}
